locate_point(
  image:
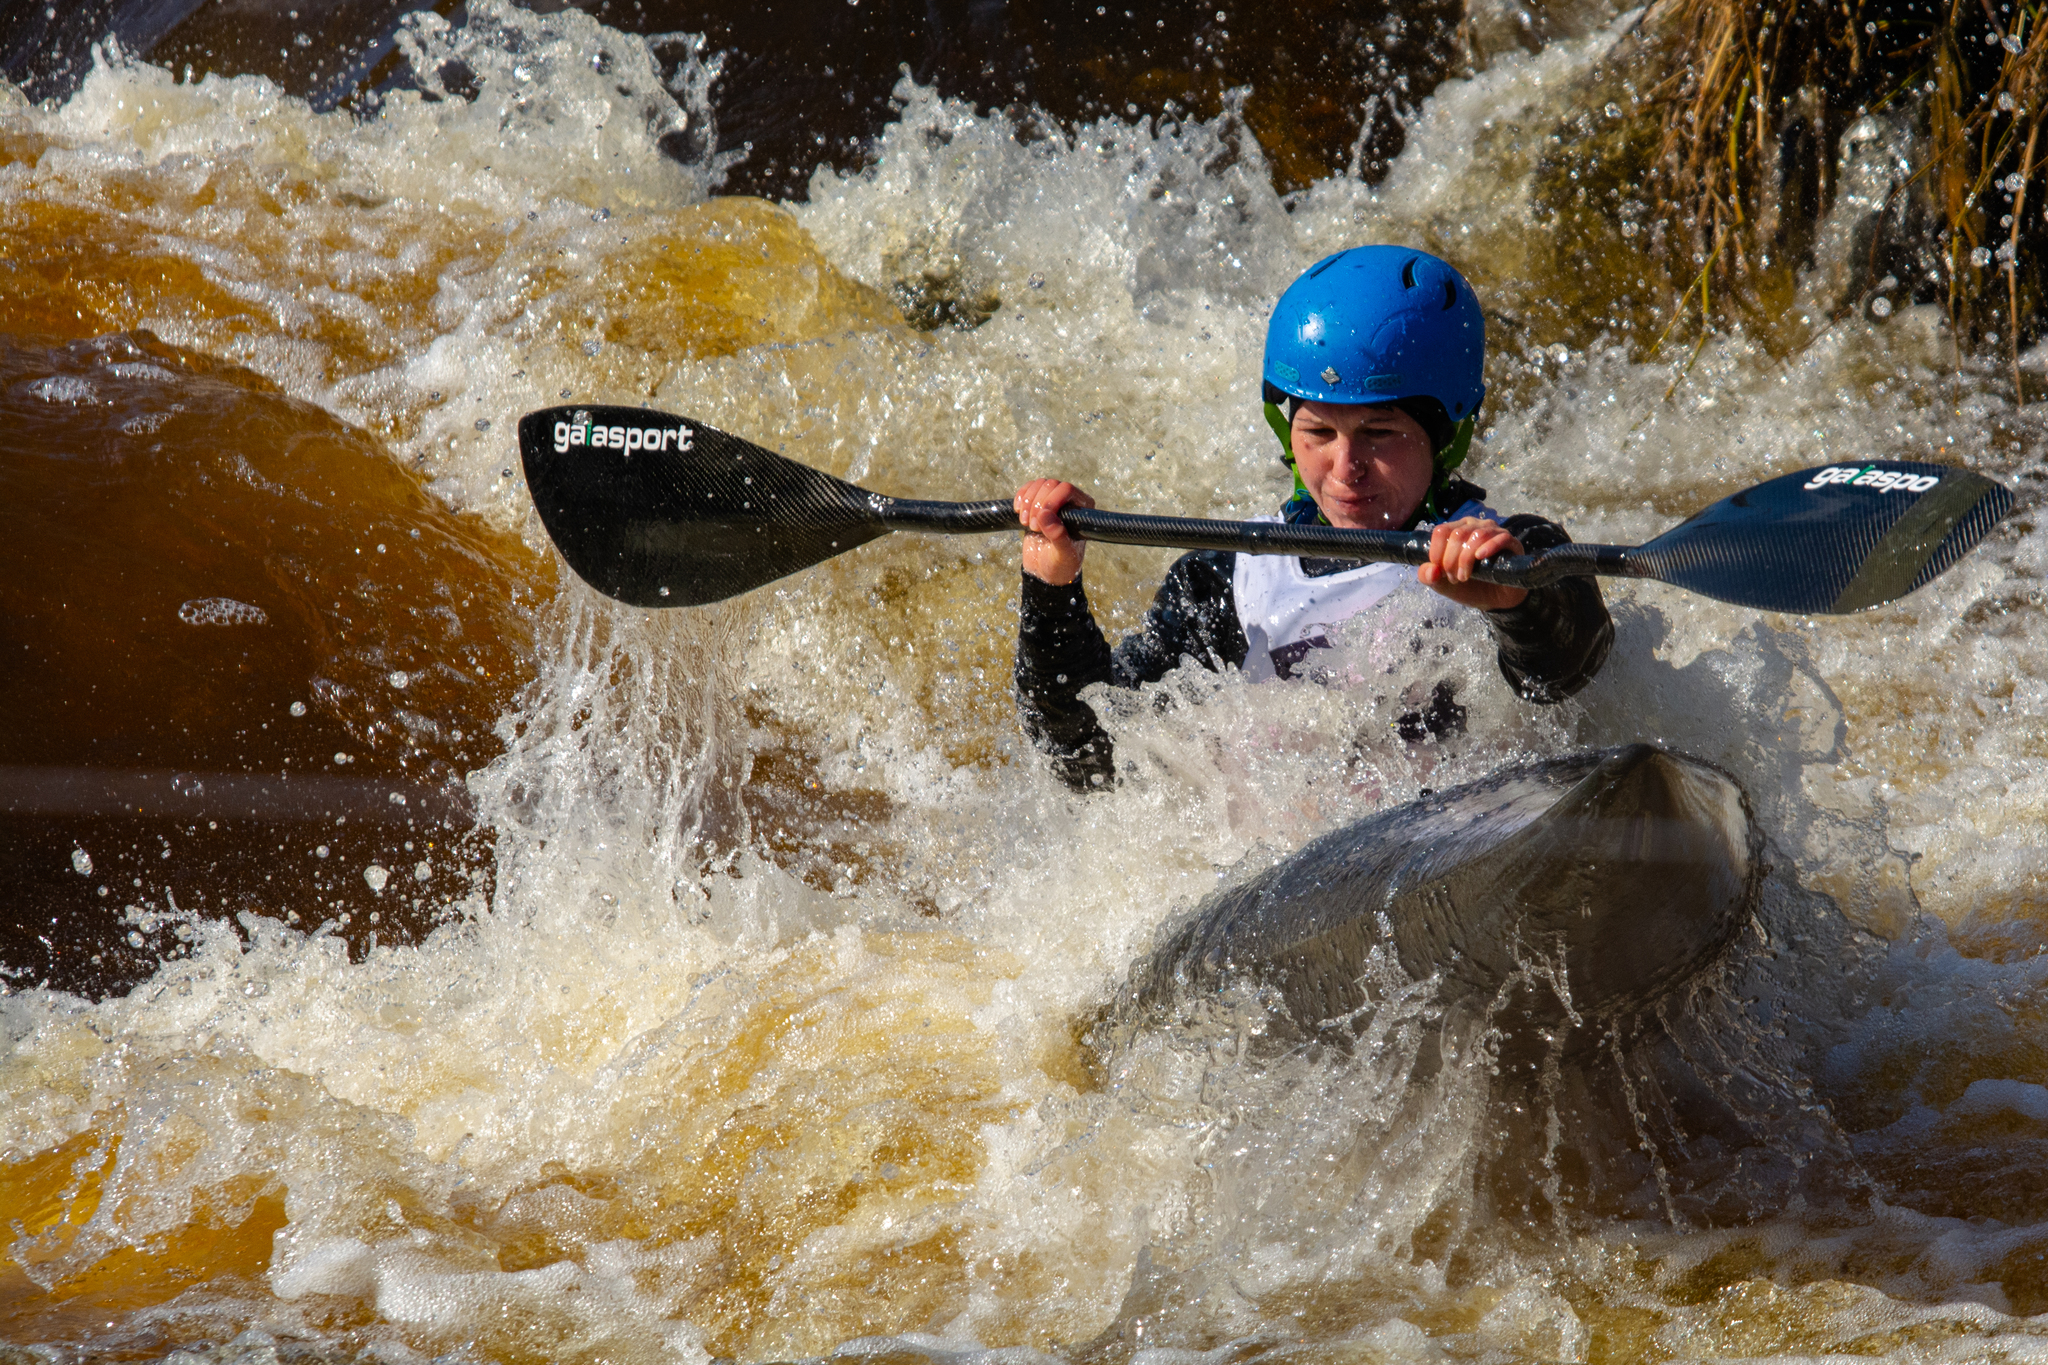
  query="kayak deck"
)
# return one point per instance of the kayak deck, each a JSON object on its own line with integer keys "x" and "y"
{"x": 1570, "y": 889}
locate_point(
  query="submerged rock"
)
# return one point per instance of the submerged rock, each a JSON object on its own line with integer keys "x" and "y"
{"x": 251, "y": 656}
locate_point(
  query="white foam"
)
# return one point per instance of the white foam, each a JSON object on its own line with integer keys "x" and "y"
{"x": 221, "y": 611}
{"x": 65, "y": 389}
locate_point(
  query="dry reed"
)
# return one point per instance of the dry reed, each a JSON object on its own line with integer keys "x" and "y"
{"x": 1753, "y": 104}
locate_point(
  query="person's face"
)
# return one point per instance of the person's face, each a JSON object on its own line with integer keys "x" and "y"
{"x": 1366, "y": 467}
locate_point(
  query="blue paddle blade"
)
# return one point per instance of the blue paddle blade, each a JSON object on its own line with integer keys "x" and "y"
{"x": 1828, "y": 541}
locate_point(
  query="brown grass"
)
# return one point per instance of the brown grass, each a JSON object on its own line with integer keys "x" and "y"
{"x": 1753, "y": 103}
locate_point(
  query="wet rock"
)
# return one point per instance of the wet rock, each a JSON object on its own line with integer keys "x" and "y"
{"x": 939, "y": 293}
{"x": 250, "y": 656}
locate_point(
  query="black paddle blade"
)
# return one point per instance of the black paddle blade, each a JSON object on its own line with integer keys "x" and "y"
{"x": 660, "y": 511}
{"x": 1828, "y": 541}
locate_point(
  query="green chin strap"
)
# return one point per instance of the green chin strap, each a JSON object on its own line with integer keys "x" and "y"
{"x": 1453, "y": 455}
{"x": 1446, "y": 460}
{"x": 1284, "y": 429}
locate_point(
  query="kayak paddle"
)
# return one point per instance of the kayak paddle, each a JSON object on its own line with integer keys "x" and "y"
{"x": 663, "y": 511}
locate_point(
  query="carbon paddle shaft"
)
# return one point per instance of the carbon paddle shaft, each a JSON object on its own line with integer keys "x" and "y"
{"x": 1255, "y": 538}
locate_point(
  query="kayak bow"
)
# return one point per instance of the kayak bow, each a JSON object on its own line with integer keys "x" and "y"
{"x": 1587, "y": 886}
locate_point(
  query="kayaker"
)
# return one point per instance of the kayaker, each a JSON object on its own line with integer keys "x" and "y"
{"x": 1372, "y": 381}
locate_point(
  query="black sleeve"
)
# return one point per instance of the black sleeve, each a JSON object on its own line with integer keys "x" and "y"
{"x": 1552, "y": 644}
{"x": 1061, "y": 650}
{"x": 1192, "y": 616}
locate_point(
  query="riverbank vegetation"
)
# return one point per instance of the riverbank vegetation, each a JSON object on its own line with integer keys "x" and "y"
{"x": 1921, "y": 118}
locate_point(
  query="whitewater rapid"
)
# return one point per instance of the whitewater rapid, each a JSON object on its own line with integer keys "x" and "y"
{"x": 688, "y": 1078}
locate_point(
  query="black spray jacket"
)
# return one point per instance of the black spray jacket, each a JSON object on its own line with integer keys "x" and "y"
{"x": 1549, "y": 647}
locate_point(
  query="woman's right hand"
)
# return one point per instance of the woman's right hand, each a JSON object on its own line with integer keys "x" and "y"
{"x": 1049, "y": 552}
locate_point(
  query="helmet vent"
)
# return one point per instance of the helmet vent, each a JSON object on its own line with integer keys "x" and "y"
{"x": 1450, "y": 296}
{"x": 1408, "y": 274}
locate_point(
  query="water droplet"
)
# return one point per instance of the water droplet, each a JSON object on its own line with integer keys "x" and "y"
{"x": 321, "y": 852}
{"x": 376, "y": 877}
{"x": 81, "y": 862}
{"x": 399, "y": 678}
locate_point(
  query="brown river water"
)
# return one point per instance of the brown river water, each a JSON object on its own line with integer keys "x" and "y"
{"x": 412, "y": 955}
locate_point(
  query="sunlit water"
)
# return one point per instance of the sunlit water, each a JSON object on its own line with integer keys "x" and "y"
{"x": 692, "y": 1075}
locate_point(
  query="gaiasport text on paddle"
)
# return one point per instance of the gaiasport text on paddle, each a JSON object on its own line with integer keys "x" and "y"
{"x": 662, "y": 511}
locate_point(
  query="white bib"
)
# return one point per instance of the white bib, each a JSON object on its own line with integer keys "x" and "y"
{"x": 1280, "y": 606}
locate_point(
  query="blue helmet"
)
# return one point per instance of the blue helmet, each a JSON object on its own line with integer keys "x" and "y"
{"x": 1383, "y": 325}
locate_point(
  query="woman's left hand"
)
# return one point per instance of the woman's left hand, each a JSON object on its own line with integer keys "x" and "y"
{"x": 1454, "y": 548}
